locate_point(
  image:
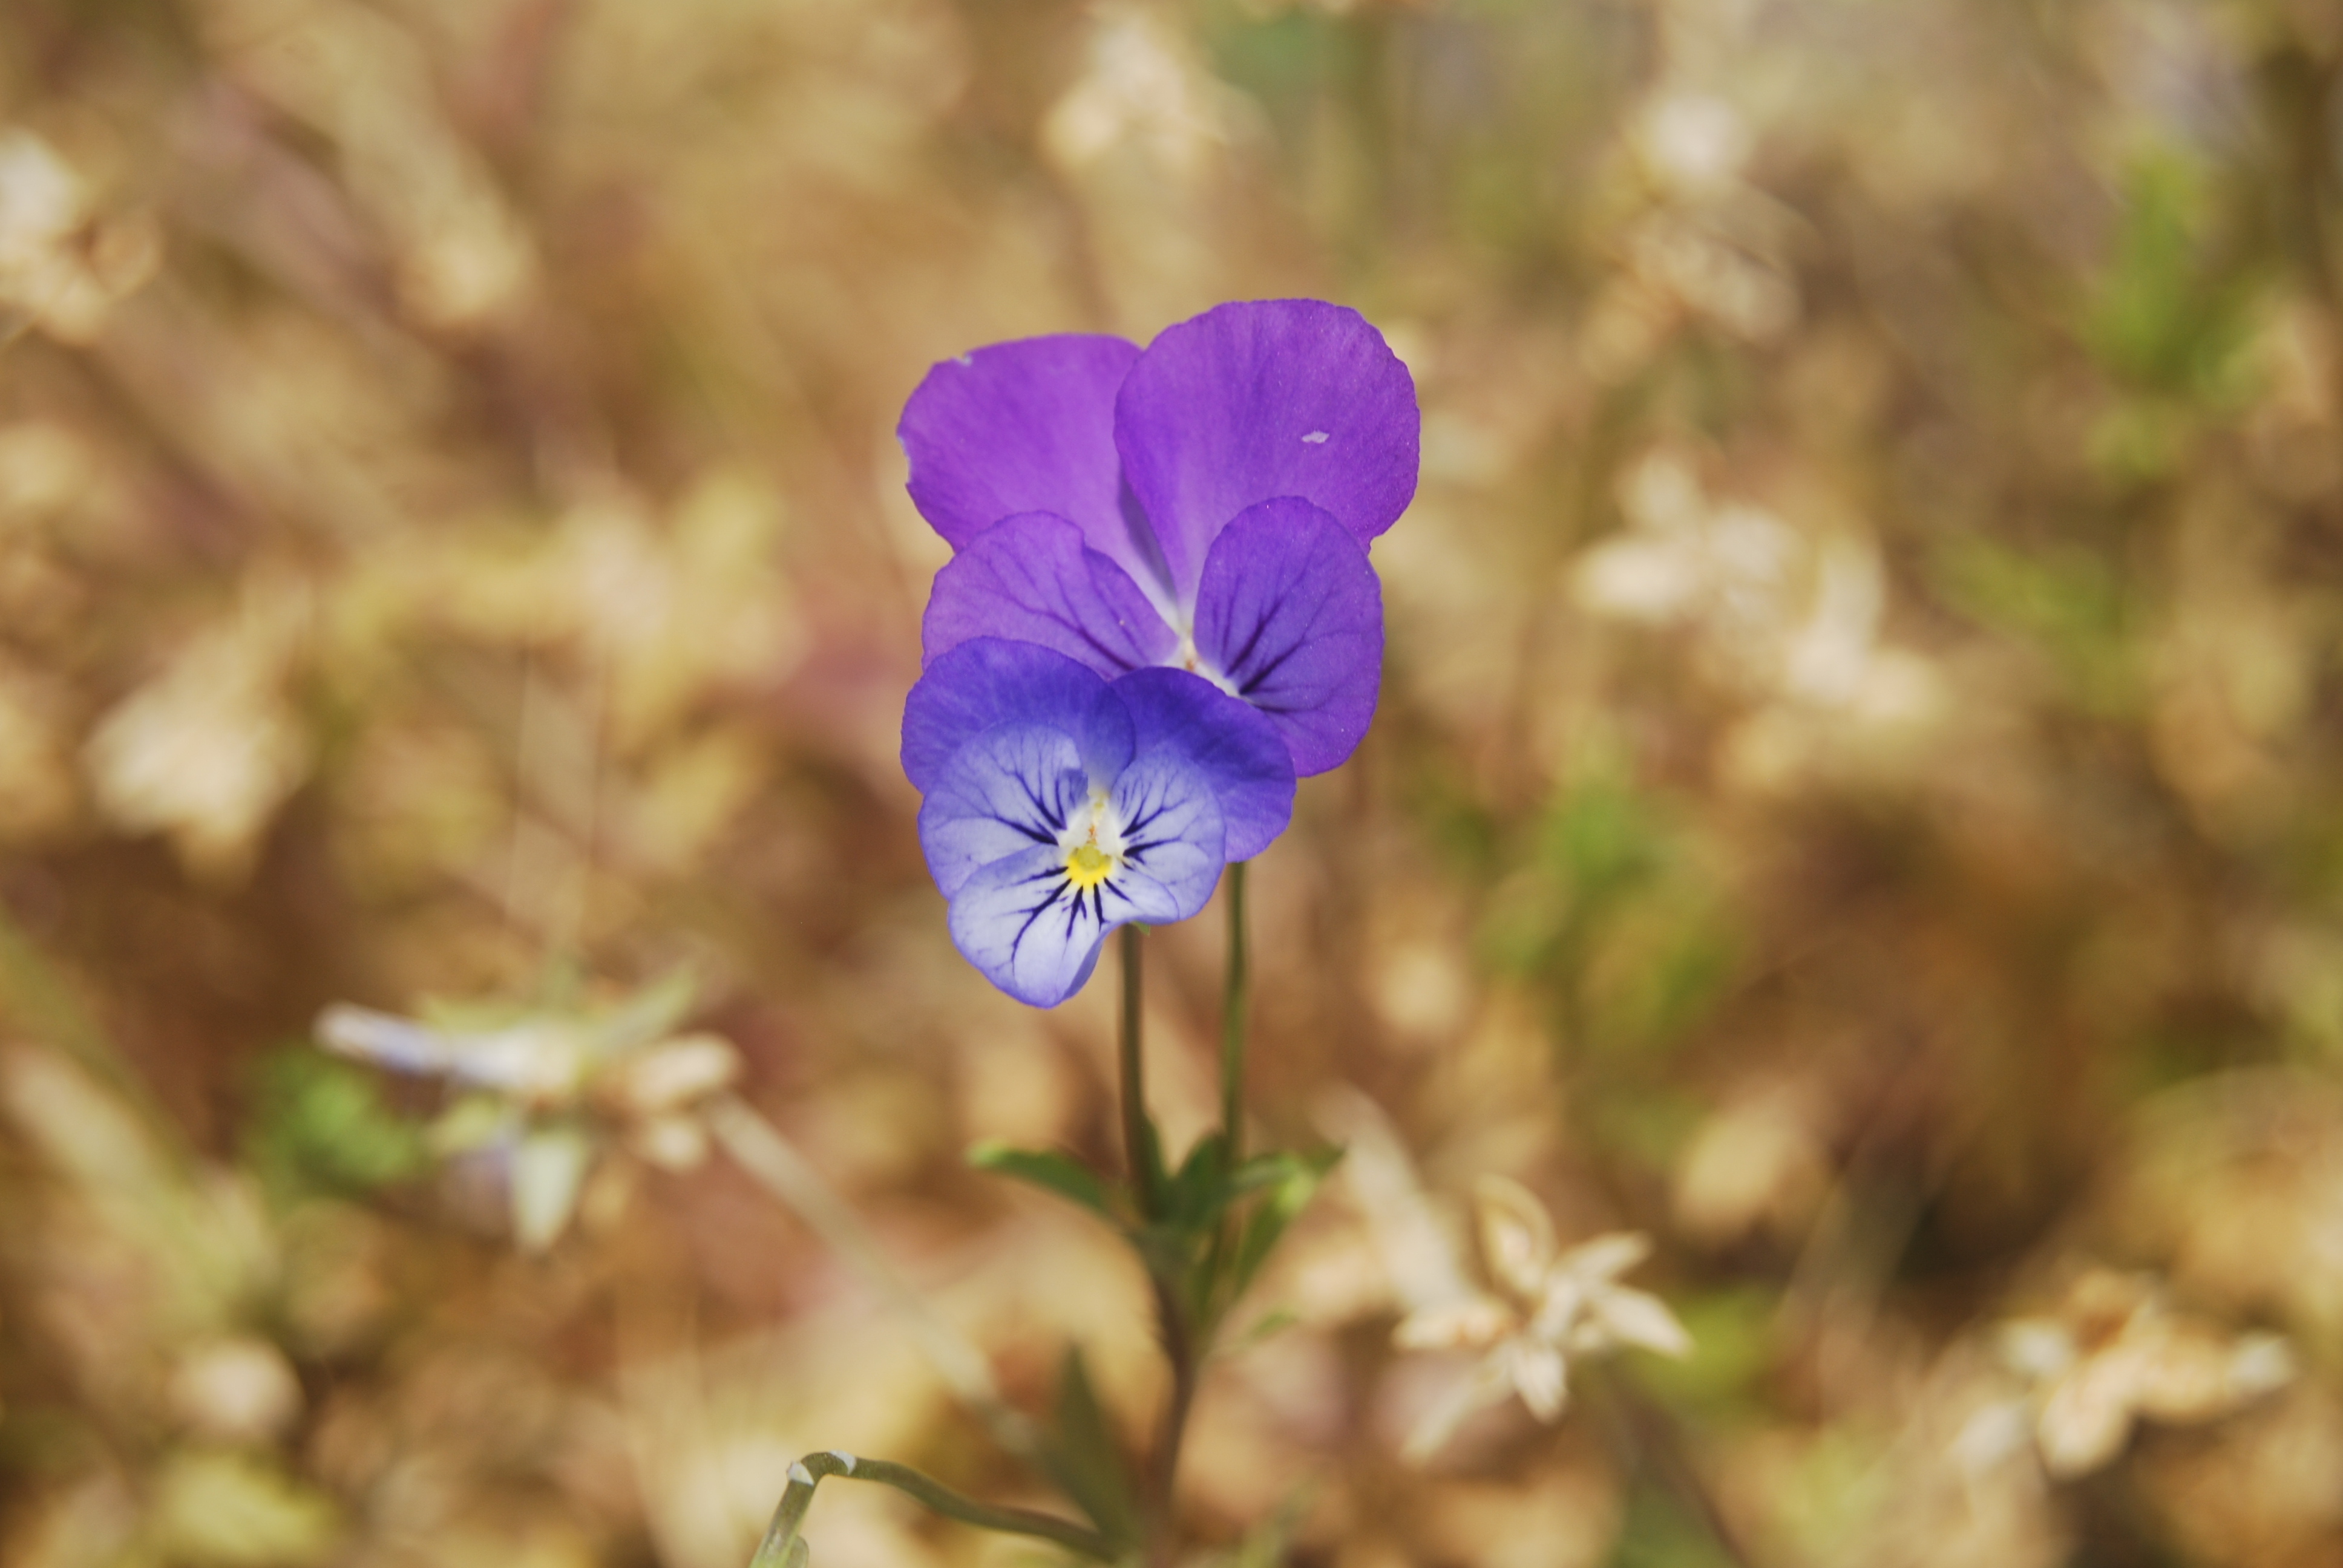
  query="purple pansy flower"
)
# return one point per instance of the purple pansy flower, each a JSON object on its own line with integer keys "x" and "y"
{"x": 1204, "y": 505}
{"x": 1059, "y": 805}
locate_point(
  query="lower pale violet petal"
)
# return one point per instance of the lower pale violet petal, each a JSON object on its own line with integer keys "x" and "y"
{"x": 1031, "y": 578}
{"x": 1012, "y": 788}
{"x": 1019, "y": 921}
{"x": 989, "y": 682}
{"x": 1289, "y": 615}
{"x": 1236, "y": 749}
{"x": 1032, "y": 920}
{"x": 1258, "y": 399}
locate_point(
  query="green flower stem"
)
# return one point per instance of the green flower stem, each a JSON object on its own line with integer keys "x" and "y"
{"x": 1172, "y": 1320}
{"x": 782, "y": 1547}
{"x": 1185, "y": 1356}
{"x": 1234, "y": 1003}
{"x": 1136, "y": 1138}
{"x": 760, "y": 1150}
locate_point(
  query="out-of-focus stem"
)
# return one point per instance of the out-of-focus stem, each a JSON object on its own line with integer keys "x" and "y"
{"x": 758, "y": 1148}
{"x": 1643, "y": 1437}
{"x": 783, "y": 1548}
{"x": 1235, "y": 999}
{"x": 1133, "y": 1083}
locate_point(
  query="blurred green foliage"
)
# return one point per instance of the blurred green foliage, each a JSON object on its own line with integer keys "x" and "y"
{"x": 318, "y": 1125}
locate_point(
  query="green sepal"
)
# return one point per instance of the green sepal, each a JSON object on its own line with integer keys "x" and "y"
{"x": 1048, "y": 1169}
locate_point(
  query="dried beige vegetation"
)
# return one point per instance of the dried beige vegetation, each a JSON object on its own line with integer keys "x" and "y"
{"x": 1858, "y": 797}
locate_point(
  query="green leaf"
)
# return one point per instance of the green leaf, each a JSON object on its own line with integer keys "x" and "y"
{"x": 2174, "y": 306}
{"x": 229, "y": 1510}
{"x": 1086, "y": 1460}
{"x": 322, "y": 1125}
{"x": 1157, "y": 1178}
{"x": 649, "y": 1014}
{"x": 1278, "y": 1209}
{"x": 1269, "y": 1170}
{"x": 1204, "y": 1187}
{"x": 1660, "y": 1532}
{"x": 1197, "y": 1192}
{"x": 470, "y": 1124}
{"x": 1047, "y": 1168}
{"x": 1268, "y": 1326}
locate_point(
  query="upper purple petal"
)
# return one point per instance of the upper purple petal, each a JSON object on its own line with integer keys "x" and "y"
{"x": 1234, "y": 748}
{"x": 1031, "y": 578}
{"x": 1254, "y": 400}
{"x": 1026, "y": 426}
{"x": 990, "y": 682}
{"x": 1289, "y": 615}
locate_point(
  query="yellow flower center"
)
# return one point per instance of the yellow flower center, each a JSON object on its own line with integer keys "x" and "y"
{"x": 1088, "y": 866}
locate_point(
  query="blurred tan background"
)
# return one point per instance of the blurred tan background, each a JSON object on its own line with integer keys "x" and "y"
{"x": 1855, "y": 795}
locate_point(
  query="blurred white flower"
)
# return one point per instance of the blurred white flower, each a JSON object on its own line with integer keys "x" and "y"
{"x": 1791, "y": 617}
{"x": 2115, "y": 1354}
{"x": 549, "y": 1087}
{"x": 362, "y": 81}
{"x": 1547, "y": 1308}
{"x": 61, "y": 268}
{"x": 1708, "y": 274}
{"x": 1760, "y": 1161}
{"x": 239, "y": 1389}
{"x": 1693, "y": 142}
{"x": 206, "y": 750}
{"x": 1141, "y": 89}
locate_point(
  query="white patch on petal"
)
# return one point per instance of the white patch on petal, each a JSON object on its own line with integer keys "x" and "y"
{"x": 1315, "y": 438}
{"x": 1186, "y": 656}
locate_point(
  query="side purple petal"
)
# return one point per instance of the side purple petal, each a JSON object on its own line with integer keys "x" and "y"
{"x": 1011, "y": 789}
{"x": 1031, "y": 578}
{"x": 1025, "y": 427}
{"x": 1174, "y": 840}
{"x": 1235, "y": 749}
{"x": 989, "y": 682}
{"x": 1289, "y": 615}
{"x": 1254, "y": 400}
